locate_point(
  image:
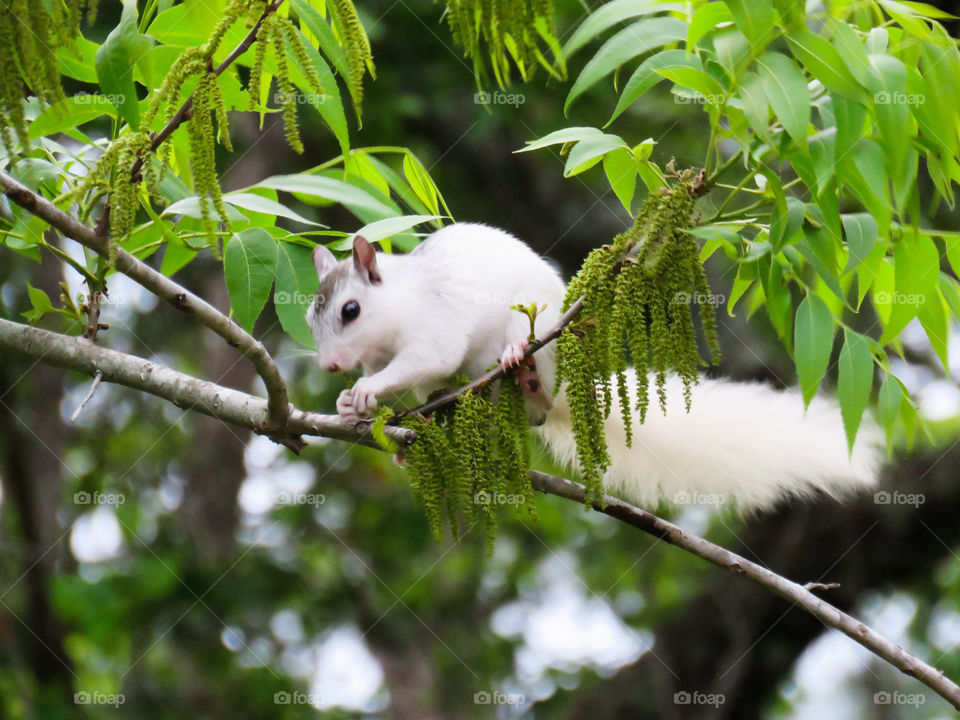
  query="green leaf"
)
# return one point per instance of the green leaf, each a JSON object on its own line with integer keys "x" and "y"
{"x": 327, "y": 188}
{"x": 950, "y": 290}
{"x": 952, "y": 244}
{"x": 561, "y": 137}
{"x": 175, "y": 257}
{"x": 610, "y": 14}
{"x": 812, "y": 342}
{"x": 627, "y": 44}
{"x": 115, "y": 61}
{"x": 916, "y": 270}
{"x": 854, "y": 381}
{"x": 756, "y": 107}
{"x": 823, "y": 61}
{"x": 77, "y": 59}
{"x": 40, "y": 303}
{"x": 266, "y": 206}
{"x": 420, "y": 182}
{"x": 249, "y": 266}
{"x": 933, "y": 318}
{"x": 757, "y": 19}
{"x": 296, "y": 285}
{"x": 620, "y": 167}
{"x": 888, "y": 405}
{"x": 697, "y": 80}
{"x": 746, "y": 274}
{"x": 383, "y": 229}
{"x": 587, "y": 153}
{"x": 851, "y": 49}
{"x": 706, "y": 18}
{"x": 861, "y": 233}
{"x": 786, "y": 89}
{"x": 646, "y": 76}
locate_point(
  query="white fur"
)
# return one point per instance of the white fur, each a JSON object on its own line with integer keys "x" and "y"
{"x": 742, "y": 444}
{"x": 445, "y": 309}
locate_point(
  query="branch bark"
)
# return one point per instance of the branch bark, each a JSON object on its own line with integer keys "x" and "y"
{"x": 184, "y": 391}
{"x": 251, "y": 412}
{"x": 163, "y": 287}
{"x": 787, "y": 589}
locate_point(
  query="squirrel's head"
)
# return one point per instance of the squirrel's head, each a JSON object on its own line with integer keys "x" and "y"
{"x": 342, "y": 315}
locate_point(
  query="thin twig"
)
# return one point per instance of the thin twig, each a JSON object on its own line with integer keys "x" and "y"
{"x": 787, "y": 589}
{"x": 186, "y": 110}
{"x": 162, "y": 286}
{"x": 86, "y": 398}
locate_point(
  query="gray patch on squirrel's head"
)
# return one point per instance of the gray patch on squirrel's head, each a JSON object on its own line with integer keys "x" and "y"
{"x": 330, "y": 284}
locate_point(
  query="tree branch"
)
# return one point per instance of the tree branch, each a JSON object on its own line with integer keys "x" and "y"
{"x": 777, "y": 584}
{"x": 251, "y": 412}
{"x": 186, "y": 110}
{"x": 184, "y": 391}
{"x": 164, "y": 287}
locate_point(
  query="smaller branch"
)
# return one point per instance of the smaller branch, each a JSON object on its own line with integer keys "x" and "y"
{"x": 186, "y": 110}
{"x": 86, "y": 398}
{"x": 712, "y": 179}
{"x": 787, "y": 589}
{"x": 821, "y": 586}
{"x": 438, "y": 402}
{"x": 162, "y": 286}
{"x": 93, "y": 313}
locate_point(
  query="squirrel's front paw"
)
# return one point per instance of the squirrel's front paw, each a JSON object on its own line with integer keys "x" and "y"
{"x": 358, "y": 402}
{"x": 513, "y": 354}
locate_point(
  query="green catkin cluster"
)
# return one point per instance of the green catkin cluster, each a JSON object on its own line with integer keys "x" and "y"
{"x": 280, "y": 33}
{"x": 637, "y": 296}
{"x": 356, "y": 45}
{"x": 28, "y": 29}
{"x": 467, "y": 462}
{"x": 207, "y": 103}
{"x": 510, "y": 29}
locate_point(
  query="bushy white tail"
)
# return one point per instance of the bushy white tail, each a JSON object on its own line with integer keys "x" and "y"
{"x": 741, "y": 444}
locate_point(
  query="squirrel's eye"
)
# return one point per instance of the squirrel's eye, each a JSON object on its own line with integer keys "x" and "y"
{"x": 349, "y": 311}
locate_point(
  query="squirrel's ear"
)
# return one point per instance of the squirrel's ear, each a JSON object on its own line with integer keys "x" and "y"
{"x": 323, "y": 260}
{"x": 365, "y": 260}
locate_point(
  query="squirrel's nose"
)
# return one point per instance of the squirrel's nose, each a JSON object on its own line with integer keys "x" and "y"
{"x": 331, "y": 367}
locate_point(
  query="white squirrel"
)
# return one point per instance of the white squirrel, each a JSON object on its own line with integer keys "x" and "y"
{"x": 413, "y": 321}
